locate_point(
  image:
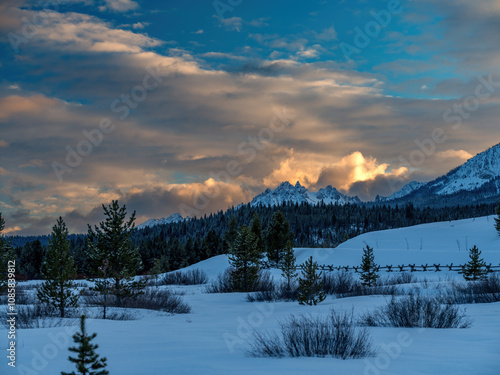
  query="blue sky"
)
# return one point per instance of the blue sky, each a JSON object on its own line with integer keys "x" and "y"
{"x": 193, "y": 106}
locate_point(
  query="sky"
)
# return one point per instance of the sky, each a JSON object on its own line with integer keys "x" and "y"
{"x": 196, "y": 106}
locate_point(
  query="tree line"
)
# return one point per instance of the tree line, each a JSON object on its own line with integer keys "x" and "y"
{"x": 172, "y": 246}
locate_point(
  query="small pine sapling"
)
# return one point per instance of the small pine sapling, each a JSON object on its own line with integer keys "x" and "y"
{"x": 475, "y": 269}
{"x": 288, "y": 266}
{"x": 87, "y": 361}
{"x": 369, "y": 268}
{"x": 310, "y": 284}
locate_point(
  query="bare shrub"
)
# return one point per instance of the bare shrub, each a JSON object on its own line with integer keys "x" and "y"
{"x": 36, "y": 316}
{"x": 486, "y": 290}
{"x": 151, "y": 299}
{"x": 335, "y": 335}
{"x": 344, "y": 284}
{"x": 278, "y": 292}
{"x": 191, "y": 277}
{"x": 162, "y": 300}
{"x": 401, "y": 278}
{"x": 224, "y": 283}
{"x": 415, "y": 310}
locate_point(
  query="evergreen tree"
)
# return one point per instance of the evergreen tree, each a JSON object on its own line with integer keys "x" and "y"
{"x": 497, "y": 219}
{"x": 157, "y": 269}
{"x": 230, "y": 234}
{"x": 256, "y": 228}
{"x": 278, "y": 234}
{"x": 210, "y": 245}
{"x": 87, "y": 361}
{"x": 31, "y": 259}
{"x": 244, "y": 259}
{"x": 176, "y": 254}
{"x": 112, "y": 253}
{"x": 288, "y": 266}
{"x": 369, "y": 268}
{"x": 59, "y": 270}
{"x": 475, "y": 269}
{"x": 310, "y": 284}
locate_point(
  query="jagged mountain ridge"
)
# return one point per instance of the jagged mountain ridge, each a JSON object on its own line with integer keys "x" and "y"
{"x": 475, "y": 181}
{"x": 174, "y": 218}
{"x": 479, "y": 174}
{"x": 287, "y": 192}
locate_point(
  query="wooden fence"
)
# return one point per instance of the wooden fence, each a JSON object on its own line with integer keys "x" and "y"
{"x": 397, "y": 268}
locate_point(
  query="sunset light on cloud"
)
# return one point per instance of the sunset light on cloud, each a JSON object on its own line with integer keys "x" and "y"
{"x": 149, "y": 102}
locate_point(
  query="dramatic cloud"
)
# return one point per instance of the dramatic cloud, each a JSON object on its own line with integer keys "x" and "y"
{"x": 200, "y": 127}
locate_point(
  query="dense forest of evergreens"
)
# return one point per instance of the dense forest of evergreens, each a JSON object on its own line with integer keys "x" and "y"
{"x": 180, "y": 244}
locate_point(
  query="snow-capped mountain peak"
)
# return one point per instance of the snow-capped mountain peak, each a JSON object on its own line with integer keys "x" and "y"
{"x": 481, "y": 171}
{"x": 174, "y": 218}
{"x": 286, "y": 192}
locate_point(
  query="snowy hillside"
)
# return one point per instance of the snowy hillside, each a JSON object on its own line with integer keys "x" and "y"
{"x": 174, "y": 218}
{"x": 440, "y": 243}
{"x": 213, "y": 338}
{"x": 286, "y": 192}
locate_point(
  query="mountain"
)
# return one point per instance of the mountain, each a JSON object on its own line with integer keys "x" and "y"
{"x": 286, "y": 192}
{"x": 403, "y": 192}
{"x": 477, "y": 180}
{"x": 174, "y": 218}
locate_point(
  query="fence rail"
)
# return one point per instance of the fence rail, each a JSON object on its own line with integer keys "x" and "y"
{"x": 398, "y": 268}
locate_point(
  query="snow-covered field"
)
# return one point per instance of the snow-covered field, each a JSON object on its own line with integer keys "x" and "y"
{"x": 212, "y": 339}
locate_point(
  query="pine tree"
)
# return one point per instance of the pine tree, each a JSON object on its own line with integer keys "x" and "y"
{"x": 87, "y": 361}
{"x": 157, "y": 269}
{"x": 288, "y": 266}
{"x": 113, "y": 255}
{"x": 59, "y": 270}
{"x": 244, "y": 259}
{"x": 369, "y": 268}
{"x": 256, "y": 228}
{"x": 497, "y": 219}
{"x": 31, "y": 259}
{"x": 310, "y": 284}
{"x": 278, "y": 233}
{"x": 230, "y": 233}
{"x": 475, "y": 269}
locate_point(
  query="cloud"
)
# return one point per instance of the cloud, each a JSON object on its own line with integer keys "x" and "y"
{"x": 15, "y": 105}
{"x": 119, "y": 5}
{"x": 461, "y": 155}
{"x": 4, "y": 143}
{"x": 140, "y": 25}
{"x": 80, "y": 32}
{"x": 356, "y": 168}
{"x": 329, "y": 34}
{"x": 200, "y": 118}
{"x": 231, "y": 24}
{"x": 36, "y": 163}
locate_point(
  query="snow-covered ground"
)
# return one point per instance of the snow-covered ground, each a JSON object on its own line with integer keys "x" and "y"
{"x": 212, "y": 339}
